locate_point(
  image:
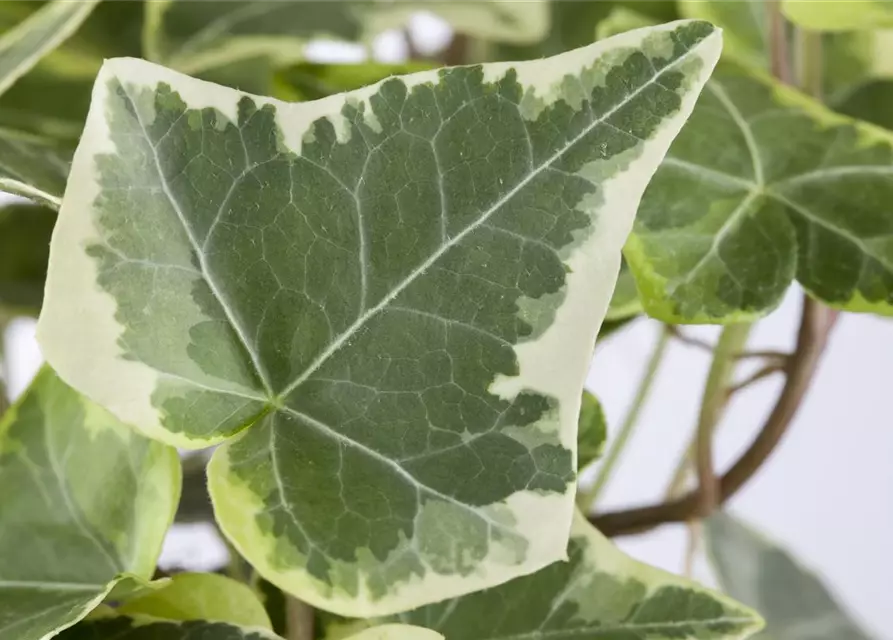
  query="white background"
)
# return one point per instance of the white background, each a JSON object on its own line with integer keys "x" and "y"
{"x": 827, "y": 492}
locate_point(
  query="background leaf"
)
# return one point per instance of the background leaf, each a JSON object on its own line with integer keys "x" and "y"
{"x": 320, "y": 279}
{"x": 201, "y": 596}
{"x": 84, "y": 502}
{"x": 396, "y": 632}
{"x": 593, "y": 431}
{"x": 112, "y": 627}
{"x": 25, "y": 231}
{"x": 765, "y": 186}
{"x": 839, "y": 15}
{"x": 757, "y": 572}
{"x": 598, "y": 594}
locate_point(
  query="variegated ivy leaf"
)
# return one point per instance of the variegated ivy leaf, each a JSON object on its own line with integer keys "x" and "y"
{"x": 25, "y": 231}
{"x": 22, "y": 47}
{"x": 112, "y": 627}
{"x": 196, "y": 37}
{"x": 793, "y": 600}
{"x": 84, "y": 502}
{"x": 839, "y": 15}
{"x": 598, "y": 594}
{"x": 201, "y": 596}
{"x": 391, "y": 295}
{"x": 765, "y": 186}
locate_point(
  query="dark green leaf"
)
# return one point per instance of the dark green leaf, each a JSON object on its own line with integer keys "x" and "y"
{"x": 25, "y": 231}
{"x": 593, "y": 431}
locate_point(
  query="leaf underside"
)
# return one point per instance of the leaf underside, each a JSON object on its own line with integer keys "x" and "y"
{"x": 598, "y": 594}
{"x": 759, "y": 573}
{"x": 391, "y": 296}
{"x": 763, "y": 187}
{"x": 86, "y": 501}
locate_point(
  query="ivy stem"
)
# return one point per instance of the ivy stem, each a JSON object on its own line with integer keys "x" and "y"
{"x": 298, "y": 619}
{"x": 585, "y": 499}
{"x": 779, "y": 54}
{"x": 810, "y": 62}
{"x": 713, "y": 403}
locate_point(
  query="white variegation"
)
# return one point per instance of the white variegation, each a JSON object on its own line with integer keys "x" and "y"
{"x": 80, "y": 335}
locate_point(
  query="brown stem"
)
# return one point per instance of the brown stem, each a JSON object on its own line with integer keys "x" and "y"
{"x": 299, "y": 619}
{"x": 677, "y": 333}
{"x": 457, "y": 52}
{"x": 758, "y": 375}
{"x": 778, "y": 42}
{"x": 816, "y": 323}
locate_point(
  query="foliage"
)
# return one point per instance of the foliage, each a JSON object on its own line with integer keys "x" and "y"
{"x": 377, "y": 287}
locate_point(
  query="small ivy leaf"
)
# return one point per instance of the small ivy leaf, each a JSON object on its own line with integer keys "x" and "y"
{"x": 759, "y": 189}
{"x": 110, "y": 626}
{"x": 201, "y": 596}
{"x": 200, "y": 37}
{"x": 759, "y": 573}
{"x": 592, "y": 431}
{"x": 25, "y": 231}
{"x": 85, "y": 505}
{"x": 389, "y": 297}
{"x": 598, "y": 594}
{"x": 852, "y": 15}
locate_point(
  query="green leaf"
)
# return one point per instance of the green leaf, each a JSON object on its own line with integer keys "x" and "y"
{"x": 91, "y": 503}
{"x": 745, "y": 24}
{"x": 195, "y": 37}
{"x": 592, "y": 431}
{"x": 761, "y": 187}
{"x": 625, "y": 301}
{"x": 839, "y": 15}
{"x": 390, "y": 295}
{"x": 396, "y": 632}
{"x": 761, "y": 574}
{"x": 111, "y": 627}
{"x": 25, "y": 231}
{"x": 33, "y": 167}
{"x": 622, "y": 19}
{"x": 870, "y": 102}
{"x": 202, "y": 596}
{"x": 599, "y": 593}
{"x": 22, "y": 47}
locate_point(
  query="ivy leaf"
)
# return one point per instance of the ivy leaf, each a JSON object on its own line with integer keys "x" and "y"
{"x": 22, "y": 47}
{"x": 851, "y": 15}
{"x": 625, "y": 301}
{"x": 867, "y": 102}
{"x": 69, "y": 534}
{"x": 33, "y": 167}
{"x": 598, "y": 594}
{"x": 592, "y": 431}
{"x": 201, "y": 596}
{"x": 764, "y": 186}
{"x": 196, "y": 37}
{"x": 745, "y": 24}
{"x": 390, "y": 295}
{"x": 25, "y": 231}
{"x": 112, "y": 627}
{"x": 761, "y": 574}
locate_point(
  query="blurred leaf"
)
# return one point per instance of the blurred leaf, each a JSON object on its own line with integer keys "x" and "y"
{"x": 309, "y": 81}
{"x": 25, "y": 231}
{"x": 592, "y": 431}
{"x": 744, "y": 23}
{"x": 573, "y": 25}
{"x": 113, "y": 627}
{"x": 201, "y": 596}
{"x": 765, "y": 185}
{"x": 33, "y": 167}
{"x": 839, "y": 15}
{"x": 396, "y": 632}
{"x": 198, "y": 37}
{"x": 619, "y": 20}
{"x": 85, "y": 504}
{"x": 273, "y": 599}
{"x": 762, "y": 575}
{"x": 870, "y": 102}
{"x": 625, "y": 301}
{"x": 195, "y": 503}
{"x": 24, "y": 45}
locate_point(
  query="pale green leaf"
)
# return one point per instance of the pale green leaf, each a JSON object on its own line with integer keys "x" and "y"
{"x": 22, "y": 47}
{"x": 792, "y": 599}
{"x": 598, "y": 594}
{"x": 84, "y": 501}
{"x": 33, "y": 167}
{"x": 201, "y": 596}
{"x": 195, "y": 37}
{"x": 839, "y": 15}
{"x": 25, "y": 231}
{"x": 592, "y": 431}
{"x": 112, "y": 627}
{"x": 623, "y": 19}
{"x": 391, "y": 296}
{"x": 764, "y": 186}
{"x": 311, "y": 81}
{"x": 396, "y": 632}
{"x": 625, "y": 301}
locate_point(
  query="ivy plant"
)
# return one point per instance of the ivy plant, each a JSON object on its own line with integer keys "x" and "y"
{"x": 368, "y": 296}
